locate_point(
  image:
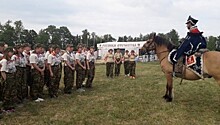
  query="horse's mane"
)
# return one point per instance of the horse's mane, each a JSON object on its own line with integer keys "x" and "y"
{"x": 159, "y": 40}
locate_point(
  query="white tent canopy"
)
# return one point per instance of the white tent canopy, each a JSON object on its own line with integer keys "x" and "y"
{"x": 104, "y": 47}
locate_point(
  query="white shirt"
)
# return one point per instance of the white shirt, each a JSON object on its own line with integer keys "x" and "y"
{"x": 37, "y": 59}
{"x": 80, "y": 57}
{"x": 8, "y": 66}
{"x": 1, "y": 55}
{"x": 54, "y": 60}
{"x": 27, "y": 56}
{"x": 90, "y": 57}
{"x": 46, "y": 55}
{"x": 69, "y": 57}
{"x": 19, "y": 61}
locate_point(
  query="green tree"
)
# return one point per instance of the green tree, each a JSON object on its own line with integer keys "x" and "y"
{"x": 217, "y": 44}
{"x": 211, "y": 42}
{"x": 146, "y": 37}
{"x": 7, "y": 33}
{"x": 43, "y": 37}
{"x": 120, "y": 39}
{"x": 93, "y": 38}
{"x": 130, "y": 39}
{"x": 66, "y": 37}
{"x": 108, "y": 38}
{"x": 18, "y": 31}
{"x": 125, "y": 39}
{"x": 140, "y": 37}
{"x": 85, "y": 36}
{"x": 173, "y": 36}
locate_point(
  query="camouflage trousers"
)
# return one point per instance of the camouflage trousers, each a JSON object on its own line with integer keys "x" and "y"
{"x": 55, "y": 81}
{"x": 68, "y": 79}
{"x": 36, "y": 88}
{"x": 1, "y": 89}
{"x": 117, "y": 69}
{"x": 21, "y": 83}
{"x": 91, "y": 74}
{"x": 80, "y": 75}
{"x": 29, "y": 76}
{"x": 47, "y": 78}
{"x": 132, "y": 68}
{"x": 126, "y": 67}
{"x": 9, "y": 91}
{"x": 109, "y": 69}
{"x": 86, "y": 73}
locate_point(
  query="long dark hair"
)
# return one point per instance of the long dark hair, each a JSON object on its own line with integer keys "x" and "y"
{"x": 36, "y": 47}
{"x": 7, "y": 50}
{"x": 16, "y": 50}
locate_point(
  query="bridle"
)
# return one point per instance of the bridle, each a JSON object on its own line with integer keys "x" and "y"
{"x": 153, "y": 45}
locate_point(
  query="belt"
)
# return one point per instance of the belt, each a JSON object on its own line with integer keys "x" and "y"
{"x": 9, "y": 73}
{"x": 20, "y": 67}
{"x": 67, "y": 65}
{"x": 55, "y": 66}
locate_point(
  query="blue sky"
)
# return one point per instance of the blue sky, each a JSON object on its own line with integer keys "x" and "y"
{"x": 117, "y": 17}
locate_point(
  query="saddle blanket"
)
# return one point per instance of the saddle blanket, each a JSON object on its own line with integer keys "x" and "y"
{"x": 193, "y": 63}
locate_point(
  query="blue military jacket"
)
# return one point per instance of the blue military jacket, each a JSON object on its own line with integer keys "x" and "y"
{"x": 192, "y": 43}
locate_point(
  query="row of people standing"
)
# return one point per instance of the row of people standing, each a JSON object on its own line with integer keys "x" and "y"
{"x": 116, "y": 59}
{"x": 21, "y": 67}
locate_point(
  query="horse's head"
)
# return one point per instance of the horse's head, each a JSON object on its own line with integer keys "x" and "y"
{"x": 149, "y": 45}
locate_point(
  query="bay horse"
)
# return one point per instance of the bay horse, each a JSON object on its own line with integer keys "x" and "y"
{"x": 162, "y": 47}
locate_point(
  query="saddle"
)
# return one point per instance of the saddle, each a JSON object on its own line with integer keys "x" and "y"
{"x": 179, "y": 69}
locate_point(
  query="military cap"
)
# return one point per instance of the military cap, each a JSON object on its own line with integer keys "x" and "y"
{"x": 191, "y": 20}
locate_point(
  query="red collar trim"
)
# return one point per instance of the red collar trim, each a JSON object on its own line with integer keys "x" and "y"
{"x": 194, "y": 30}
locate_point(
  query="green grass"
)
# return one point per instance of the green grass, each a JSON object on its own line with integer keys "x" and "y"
{"x": 124, "y": 101}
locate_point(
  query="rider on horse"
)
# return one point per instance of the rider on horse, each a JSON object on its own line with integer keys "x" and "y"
{"x": 193, "y": 42}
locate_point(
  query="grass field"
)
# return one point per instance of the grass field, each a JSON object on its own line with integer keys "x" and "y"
{"x": 124, "y": 101}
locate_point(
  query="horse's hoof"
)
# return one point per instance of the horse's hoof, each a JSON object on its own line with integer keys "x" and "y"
{"x": 169, "y": 99}
{"x": 165, "y": 96}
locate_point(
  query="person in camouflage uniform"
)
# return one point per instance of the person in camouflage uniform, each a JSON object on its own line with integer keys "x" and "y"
{"x": 42, "y": 66}
{"x": 46, "y": 71}
{"x": 126, "y": 62}
{"x": 90, "y": 61}
{"x": 69, "y": 69}
{"x": 26, "y": 53}
{"x": 118, "y": 60}
{"x": 53, "y": 61}
{"x": 37, "y": 62}
{"x": 132, "y": 64}
{"x": 109, "y": 59}
{"x": 84, "y": 53}
{"x": 8, "y": 70}
{"x": 21, "y": 75}
{"x": 80, "y": 69}
{"x": 2, "y": 47}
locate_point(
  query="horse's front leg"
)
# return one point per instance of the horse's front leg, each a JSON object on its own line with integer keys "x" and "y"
{"x": 167, "y": 93}
{"x": 169, "y": 88}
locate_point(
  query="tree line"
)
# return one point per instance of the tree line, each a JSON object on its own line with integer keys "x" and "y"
{"x": 14, "y": 33}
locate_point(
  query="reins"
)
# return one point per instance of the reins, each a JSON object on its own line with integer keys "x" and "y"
{"x": 164, "y": 56}
{"x": 159, "y": 52}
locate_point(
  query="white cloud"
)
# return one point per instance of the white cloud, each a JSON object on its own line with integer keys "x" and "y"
{"x": 118, "y": 17}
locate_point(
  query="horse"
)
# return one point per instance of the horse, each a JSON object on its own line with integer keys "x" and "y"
{"x": 163, "y": 47}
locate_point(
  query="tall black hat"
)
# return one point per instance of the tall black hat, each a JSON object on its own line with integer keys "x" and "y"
{"x": 191, "y": 20}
